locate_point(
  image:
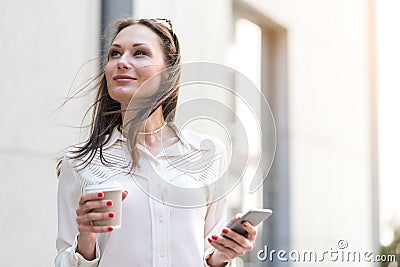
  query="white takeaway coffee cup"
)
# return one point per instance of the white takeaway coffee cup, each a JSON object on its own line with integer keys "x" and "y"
{"x": 113, "y": 192}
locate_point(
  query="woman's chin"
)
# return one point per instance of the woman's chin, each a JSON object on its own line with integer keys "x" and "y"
{"x": 122, "y": 94}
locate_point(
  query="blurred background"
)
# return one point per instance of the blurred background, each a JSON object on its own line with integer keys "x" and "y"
{"x": 329, "y": 69}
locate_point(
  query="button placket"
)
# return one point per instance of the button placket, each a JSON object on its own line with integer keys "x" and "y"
{"x": 161, "y": 228}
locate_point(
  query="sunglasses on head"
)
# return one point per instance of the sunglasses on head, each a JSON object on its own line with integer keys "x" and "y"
{"x": 165, "y": 22}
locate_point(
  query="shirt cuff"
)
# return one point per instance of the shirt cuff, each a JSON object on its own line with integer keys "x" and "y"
{"x": 210, "y": 251}
{"x": 79, "y": 260}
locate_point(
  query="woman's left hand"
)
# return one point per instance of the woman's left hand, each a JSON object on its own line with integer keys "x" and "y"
{"x": 226, "y": 249}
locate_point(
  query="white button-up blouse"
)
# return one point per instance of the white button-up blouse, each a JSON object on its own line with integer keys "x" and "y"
{"x": 167, "y": 216}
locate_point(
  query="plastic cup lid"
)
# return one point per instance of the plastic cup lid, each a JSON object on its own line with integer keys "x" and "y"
{"x": 104, "y": 187}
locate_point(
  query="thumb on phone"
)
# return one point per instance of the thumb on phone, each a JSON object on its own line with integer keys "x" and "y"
{"x": 234, "y": 219}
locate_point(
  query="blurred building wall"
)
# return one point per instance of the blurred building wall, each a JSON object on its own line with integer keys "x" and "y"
{"x": 330, "y": 123}
{"x": 43, "y": 44}
{"x": 328, "y": 81}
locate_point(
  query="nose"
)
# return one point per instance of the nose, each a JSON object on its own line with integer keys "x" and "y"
{"x": 123, "y": 63}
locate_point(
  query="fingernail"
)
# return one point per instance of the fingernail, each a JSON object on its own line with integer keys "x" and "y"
{"x": 245, "y": 224}
{"x": 126, "y": 192}
{"x": 225, "y": 231}
{"x": 209, "y": 240}
{"x": 109, "y": 203}
{"x": 110, "y": 228}
{"x": 214, "y": 237}
{"x": 111, "y": 215}
{"x": 100, "y": 194}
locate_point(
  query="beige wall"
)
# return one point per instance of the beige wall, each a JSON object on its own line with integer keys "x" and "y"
{"x": 43, "y": 44}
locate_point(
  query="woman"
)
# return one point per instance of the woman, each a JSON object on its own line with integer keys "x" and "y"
{"x": 153, "y": 233}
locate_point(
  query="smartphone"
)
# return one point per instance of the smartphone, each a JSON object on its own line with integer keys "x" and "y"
{"x": 253, "y": 216}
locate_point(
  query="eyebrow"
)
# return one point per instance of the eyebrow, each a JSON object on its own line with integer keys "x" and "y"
{"x": 134, "y": 45}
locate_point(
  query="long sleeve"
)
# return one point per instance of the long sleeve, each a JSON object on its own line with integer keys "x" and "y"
{"x": 217, "y": 211}
{"x": 215, "y": 222}
{"x": 67, "y": 201}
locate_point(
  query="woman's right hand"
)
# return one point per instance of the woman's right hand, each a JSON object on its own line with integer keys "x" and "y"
{"x": 84, "y": 217}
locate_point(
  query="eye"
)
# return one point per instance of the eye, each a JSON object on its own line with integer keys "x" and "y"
{"x": 113, "y": 54}
{"x": 140, "y": 53}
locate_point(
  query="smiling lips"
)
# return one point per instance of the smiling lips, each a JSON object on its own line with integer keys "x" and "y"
{"x": 123, "y": 78}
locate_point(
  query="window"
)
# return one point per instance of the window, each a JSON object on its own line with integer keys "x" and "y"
{"x": 259, "y": 52}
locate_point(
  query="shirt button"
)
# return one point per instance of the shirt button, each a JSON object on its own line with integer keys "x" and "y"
{"x": 162, "y": 255}
{"x": 161, "y": 220}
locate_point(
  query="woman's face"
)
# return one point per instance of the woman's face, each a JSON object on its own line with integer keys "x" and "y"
{"x": 134, "y": 56}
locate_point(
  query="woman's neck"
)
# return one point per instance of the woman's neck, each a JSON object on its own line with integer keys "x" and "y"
{"x": 152, "y": 124}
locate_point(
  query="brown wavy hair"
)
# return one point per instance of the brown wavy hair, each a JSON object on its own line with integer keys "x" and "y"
{"x": 107, "y": 111}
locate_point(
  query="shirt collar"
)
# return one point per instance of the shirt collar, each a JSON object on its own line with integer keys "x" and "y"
{"x": 115, "y": 136}
{"x": 188, "y": 142}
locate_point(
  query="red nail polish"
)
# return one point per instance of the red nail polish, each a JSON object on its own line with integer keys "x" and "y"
{"x": 245, "y": 224}
{"x": 126, "y": 192}
{"x": 225, "y": 231}
{"x": 214, "y": 237}
{"x": 109, "y": 203}
{"x": 100, "y": 194}
{"x": 209, "y": 240}
{"x": 111, "y": 215}
{"x": 110, "y": 228}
